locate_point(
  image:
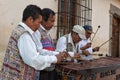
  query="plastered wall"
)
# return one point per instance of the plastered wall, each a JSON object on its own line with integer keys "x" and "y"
{"x": 101, "y": 16}
{"x": 11, "y": 14}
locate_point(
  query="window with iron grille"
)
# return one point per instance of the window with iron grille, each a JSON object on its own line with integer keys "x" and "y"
{"x": 72, "y": 12}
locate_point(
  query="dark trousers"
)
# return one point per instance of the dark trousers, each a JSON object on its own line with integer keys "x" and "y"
{"x": 48, "y": 75}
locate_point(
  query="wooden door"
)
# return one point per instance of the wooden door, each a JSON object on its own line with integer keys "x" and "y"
{"x": 115, "y": 52}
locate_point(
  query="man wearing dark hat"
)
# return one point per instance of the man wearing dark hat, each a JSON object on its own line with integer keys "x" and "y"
{"x": 85, "y": 45}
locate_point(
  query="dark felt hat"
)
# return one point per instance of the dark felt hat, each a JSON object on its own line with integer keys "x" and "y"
{"x": 87, "y": 27}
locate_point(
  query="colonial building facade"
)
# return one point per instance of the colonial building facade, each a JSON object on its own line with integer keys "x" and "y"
{"x": 103, "y": 15}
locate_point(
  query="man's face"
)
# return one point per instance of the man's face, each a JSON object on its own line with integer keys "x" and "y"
{"x": 50, "y": 22}
{"x": 88, "y": 33}
{"x": 35, "y": 23}
{"x": 75, "y": 37}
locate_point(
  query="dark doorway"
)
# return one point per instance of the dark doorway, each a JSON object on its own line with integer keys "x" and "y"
{"x": 115, "y": 43}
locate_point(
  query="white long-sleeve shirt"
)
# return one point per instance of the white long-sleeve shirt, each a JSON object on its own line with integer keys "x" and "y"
{"x": 29, "y": 53}
{"x": 83, "y": 43}
{"x": 62, "y": 44}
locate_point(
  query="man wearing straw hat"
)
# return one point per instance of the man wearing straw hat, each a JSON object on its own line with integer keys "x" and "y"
{"x": 69, "y": 42}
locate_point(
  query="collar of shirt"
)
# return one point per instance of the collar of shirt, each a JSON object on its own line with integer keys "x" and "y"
{"x": 86, "y": 40}
{"x": 47, "y": 31}
{"x": 26, "y": 27}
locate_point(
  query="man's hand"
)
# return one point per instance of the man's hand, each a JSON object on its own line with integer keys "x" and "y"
{"x": 61, "y": 56}
{"x": 96, "y": 49}
{"x": 76, "y": 55}
{"x": 85, "y": 52}
{"x": 86, "y": 46}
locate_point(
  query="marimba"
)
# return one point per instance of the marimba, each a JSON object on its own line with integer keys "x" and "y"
{"x": 99, "y": 69}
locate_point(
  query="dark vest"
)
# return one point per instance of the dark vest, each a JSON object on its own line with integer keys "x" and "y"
{"x": 69, "y": 46}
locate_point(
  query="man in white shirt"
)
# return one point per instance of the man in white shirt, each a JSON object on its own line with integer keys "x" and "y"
{"x": 85, "y": 45}
{"x": 43, "y": 40}
{"x": 22, "y": 60}
{"x": 69, "y": 42}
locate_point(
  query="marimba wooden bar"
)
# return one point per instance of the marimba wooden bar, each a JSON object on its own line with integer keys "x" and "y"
{"x": 99, "y": 69}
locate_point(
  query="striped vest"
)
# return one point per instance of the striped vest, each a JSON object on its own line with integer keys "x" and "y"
{"x": 13, "y": 66}
{"x": 46, "y": 40}
{"x": 47, "y": 44}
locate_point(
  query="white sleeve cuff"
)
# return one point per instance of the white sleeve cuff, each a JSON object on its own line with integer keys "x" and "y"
{"x": 53, "y": 59}
{"x": 71, "y": 54}
{"x": 55, "y": 53}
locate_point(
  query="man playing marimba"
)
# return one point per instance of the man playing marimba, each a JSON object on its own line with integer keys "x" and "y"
{"x": 69, "y": 42}
{"x": 85, "y": 45}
